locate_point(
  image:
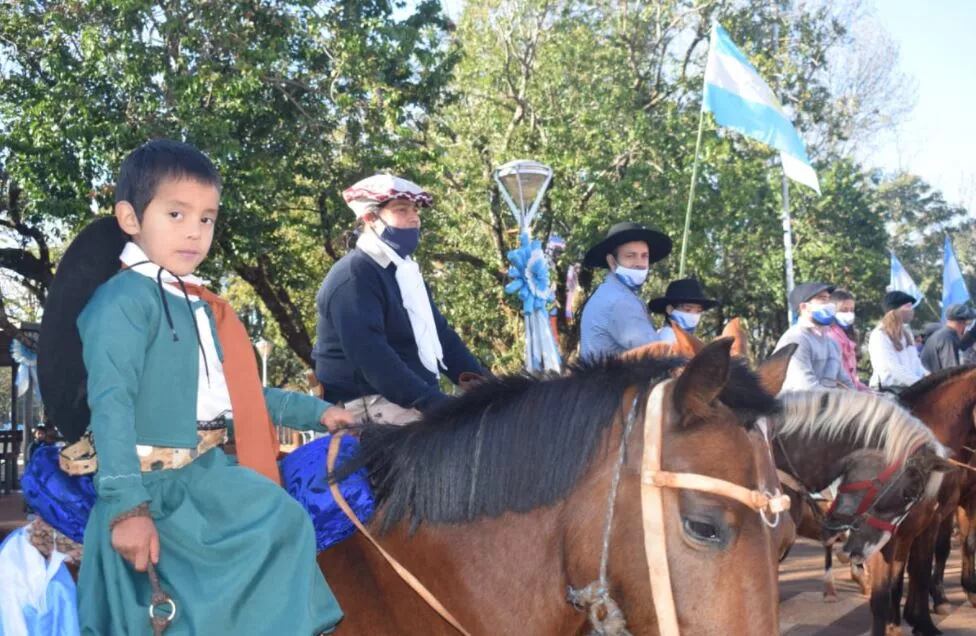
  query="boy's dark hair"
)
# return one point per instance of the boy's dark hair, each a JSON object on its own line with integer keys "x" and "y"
{"x": 152, "y": 162}
{"x": 840, "y": 294}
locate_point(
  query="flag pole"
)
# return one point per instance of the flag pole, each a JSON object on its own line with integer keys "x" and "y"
{"x": 788, "y": 246}
{"x": 691, "y": 194}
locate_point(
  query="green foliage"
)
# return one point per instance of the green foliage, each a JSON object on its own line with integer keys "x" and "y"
{"x": 295, "y": 100}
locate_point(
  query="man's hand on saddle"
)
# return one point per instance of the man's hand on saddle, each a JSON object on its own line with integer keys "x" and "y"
{"x": 335, "y": 417}
{"x": 137, "y": 541}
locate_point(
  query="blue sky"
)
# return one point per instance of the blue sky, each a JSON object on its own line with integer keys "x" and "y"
{"x": 938, "y": 48}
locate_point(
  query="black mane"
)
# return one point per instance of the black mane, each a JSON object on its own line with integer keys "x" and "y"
{"x": 514, "y": 443}
{"x": 929, "y": 382}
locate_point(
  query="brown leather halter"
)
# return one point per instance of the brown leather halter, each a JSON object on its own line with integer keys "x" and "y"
{"x": 654, "y": 480}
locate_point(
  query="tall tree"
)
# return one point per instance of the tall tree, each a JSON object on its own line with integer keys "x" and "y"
{"x": 291, "y": 99}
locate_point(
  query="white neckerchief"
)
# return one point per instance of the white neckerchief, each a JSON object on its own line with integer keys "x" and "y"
{"x": 415, "y": 299}
{"x": 135, "y": 259}
{"x": 213, "y": 396}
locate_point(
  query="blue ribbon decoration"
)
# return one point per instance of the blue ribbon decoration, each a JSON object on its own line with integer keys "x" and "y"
{"x": 26, "y": 360}
{"x": 529, "y": 271}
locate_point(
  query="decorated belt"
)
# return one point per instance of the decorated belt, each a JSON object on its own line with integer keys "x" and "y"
{"x": 153, "y": 458}
{"x": 80, "y": 458}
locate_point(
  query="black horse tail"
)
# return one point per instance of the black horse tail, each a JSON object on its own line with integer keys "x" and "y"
{"x": 91, "y": 259}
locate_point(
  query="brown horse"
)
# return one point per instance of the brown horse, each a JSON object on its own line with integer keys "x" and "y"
{"x": 887, "y": 461}
{"x": 498, "y": 503}
{"x": 946, "y": 402}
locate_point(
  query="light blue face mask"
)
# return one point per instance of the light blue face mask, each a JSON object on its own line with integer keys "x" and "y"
{"x": 630, "y": 277}
{"x": 687, "y": 320}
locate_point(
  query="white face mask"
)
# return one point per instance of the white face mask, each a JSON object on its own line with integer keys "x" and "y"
{"x": 686, "y": 319}
{"x": 845, "y": 318}
{"x": 633, "y": 278}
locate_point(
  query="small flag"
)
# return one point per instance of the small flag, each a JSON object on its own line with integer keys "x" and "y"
{"x": 902, "y": 281}
{"x": 739, "y": 99}
{"x": 953, "y": 284}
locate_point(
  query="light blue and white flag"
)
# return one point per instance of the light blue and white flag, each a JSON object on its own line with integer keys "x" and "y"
{"x": 953, "y": 284}
{"x": 901, "y": 281}
{"x": 739, "y": 99}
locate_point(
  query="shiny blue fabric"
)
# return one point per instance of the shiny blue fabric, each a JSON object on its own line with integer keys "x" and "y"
{"x": 64, "y": 501}
{"x": 303, "y": 475}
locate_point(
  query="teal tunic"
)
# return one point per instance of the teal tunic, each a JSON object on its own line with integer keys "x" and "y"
{"x": 237, "y": 553}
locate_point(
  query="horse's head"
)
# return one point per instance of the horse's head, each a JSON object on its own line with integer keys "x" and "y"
{"x": 713, "y": 426}
{"x": 875, "y": 495}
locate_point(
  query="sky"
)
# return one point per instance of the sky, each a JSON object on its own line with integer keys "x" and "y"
{"x": 937, "y": 48}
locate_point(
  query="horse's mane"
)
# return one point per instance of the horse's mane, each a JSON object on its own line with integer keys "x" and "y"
{"x": 516, "y": 443}
{"x": 929, "y": 382}
{"x": 867, "y": 419}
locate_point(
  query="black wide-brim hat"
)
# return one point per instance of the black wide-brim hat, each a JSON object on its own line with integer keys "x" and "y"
{"x": 683, "y": 290}
{"x": 658, "y": 244}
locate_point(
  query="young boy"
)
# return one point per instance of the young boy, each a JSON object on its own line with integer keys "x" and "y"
{"x": 170, "y": 370}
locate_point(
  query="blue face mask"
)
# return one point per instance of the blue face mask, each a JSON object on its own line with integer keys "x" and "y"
{"x": 631, "y": 277}
{"x": 404, "y": 241}
{"x": 824, "y": 314}
{"x": 687, "y": 320}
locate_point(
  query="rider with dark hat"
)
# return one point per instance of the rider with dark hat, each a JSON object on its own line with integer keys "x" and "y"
{"x": 944, "y": 345}
{"x": 682, "y": 304}
{"x": 816, "y": 363}
{"x": 614, "y": 319}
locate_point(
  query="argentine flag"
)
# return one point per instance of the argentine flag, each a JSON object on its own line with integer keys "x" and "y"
{"x": 953, "y": 284}
{"x": 901, "y": 281}
{"x": 740, "y": 99}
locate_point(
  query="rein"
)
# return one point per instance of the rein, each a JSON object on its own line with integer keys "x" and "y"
{"x": 404, "y": 573}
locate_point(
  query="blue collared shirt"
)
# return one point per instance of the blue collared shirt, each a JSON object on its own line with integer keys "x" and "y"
{"x": 614, "y": 320}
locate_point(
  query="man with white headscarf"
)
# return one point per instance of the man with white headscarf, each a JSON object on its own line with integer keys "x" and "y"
{"x": 381, "y": 342}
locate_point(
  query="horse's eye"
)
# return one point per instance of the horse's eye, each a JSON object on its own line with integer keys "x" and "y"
{"x": 702, "y": 531}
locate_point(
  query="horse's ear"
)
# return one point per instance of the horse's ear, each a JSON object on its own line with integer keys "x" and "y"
{"x": 740, "y": 343}
{"x": 650, "y": 350}
{"x": 685, "y": 344}
{"x": 772, "y": 372}
{"x": 704, "y": 378}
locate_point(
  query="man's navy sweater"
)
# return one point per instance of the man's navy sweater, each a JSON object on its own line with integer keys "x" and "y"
{"x": 365, "y": 343}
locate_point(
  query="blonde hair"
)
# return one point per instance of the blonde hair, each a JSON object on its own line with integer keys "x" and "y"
{"x": 896, "y": 330}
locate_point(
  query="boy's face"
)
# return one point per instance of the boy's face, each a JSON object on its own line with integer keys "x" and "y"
{"x": 177, "y": 226}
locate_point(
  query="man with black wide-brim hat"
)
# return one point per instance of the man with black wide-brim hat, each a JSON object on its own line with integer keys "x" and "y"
{"x": 682, "y": 304}
{"x": 614, "y": 319}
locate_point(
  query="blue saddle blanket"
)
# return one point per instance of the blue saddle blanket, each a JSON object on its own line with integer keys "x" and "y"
{"x": 65, "y": 501}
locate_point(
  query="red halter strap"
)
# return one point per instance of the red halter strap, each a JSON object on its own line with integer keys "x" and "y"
{"x": 873, "y": 487}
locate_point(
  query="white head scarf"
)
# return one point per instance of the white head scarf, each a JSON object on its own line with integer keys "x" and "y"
{"x": 364, "y": 196}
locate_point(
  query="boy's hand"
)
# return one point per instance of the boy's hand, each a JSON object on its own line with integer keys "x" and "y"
{"x": 335, "y": 417}
{"x": 137, "y": 541}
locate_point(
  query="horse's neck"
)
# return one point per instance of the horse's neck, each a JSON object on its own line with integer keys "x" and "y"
{"x": 465, "y": 564}
{"x": 815, "y": 462}
{"x": 949, "y": 414}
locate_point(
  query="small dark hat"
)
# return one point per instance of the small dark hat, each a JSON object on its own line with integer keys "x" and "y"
{"x": 960, "y": 311}
{"x": 683, "y": 290}
{"x": 895, "y": 299}
{"x": 805, "y": 291}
